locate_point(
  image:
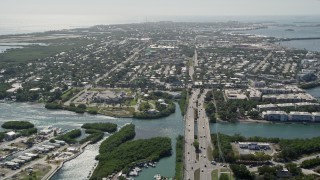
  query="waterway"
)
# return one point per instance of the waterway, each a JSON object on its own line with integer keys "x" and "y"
{"x": 79, "y": 168}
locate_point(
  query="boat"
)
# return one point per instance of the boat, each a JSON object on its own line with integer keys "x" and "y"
{"x": 157, "y": 177}
{"x": 146, "y": 165}
{"x": 137, "y": 169}
{"x": 133, "y": 173}
{"x": 151, "y": 164}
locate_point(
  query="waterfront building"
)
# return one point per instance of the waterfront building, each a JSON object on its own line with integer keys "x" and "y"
{"x": 316, "y": 116}
{"x": 275, "y": 116}
{"x": 267, "y": 107}
{"x": 9, "y": 136}
{"x": 300, "y": 116}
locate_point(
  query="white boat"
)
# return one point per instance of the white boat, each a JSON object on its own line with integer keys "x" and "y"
{"x": 137, "y": 169}
{"x": 133, "y": 173}
{"x": 157, "y": 177}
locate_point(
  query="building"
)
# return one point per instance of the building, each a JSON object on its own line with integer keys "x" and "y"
{"x": 255, "y": 94}
{"x": 288, "y": 98}
{"x": 275, "y": 91}
{"x": 300, "y": 116}
{"x": 45, "y": 131}
{"x": 316, "y": 116}
{"x": 267, "y": 107}
{"x": 234, "y": 94}
{"x": 286, "y": 105}
{"x": 275, "y": 116}
{"x": 9, "y": 136}
{"x": 258, "y": 83}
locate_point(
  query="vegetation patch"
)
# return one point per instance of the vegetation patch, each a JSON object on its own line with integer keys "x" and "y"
{"x": 310, "y": 163}
{"x": 93, "y": 138}
{"x": 179, "y": 157}
{"x": 105, "y": 127}
{"x": 241, "y": 172}
{"x": 124, "y": 134}
{"x": 70, "y": 136}
{"x": 183, "y": 101}
{"x": 17, "y": 125}
{"x": 118, "y": 153}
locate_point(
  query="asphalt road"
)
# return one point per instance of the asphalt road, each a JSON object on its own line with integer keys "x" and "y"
{"x": 191, "y": 163}
{"x": 204, "y": 137}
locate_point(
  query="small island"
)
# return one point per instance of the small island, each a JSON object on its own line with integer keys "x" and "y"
{"x": 120, "y": 153}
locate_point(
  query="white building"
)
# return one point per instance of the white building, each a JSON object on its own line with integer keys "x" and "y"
{"x": 267, "y": 107}
{"x": 9, "y": 136}
{"x": 300, "y": 116}
{"x": 316, "y": 116}
{"x": 275, "y": 116}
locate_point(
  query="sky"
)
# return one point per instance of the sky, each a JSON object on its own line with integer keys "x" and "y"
{"x": 90, "y": 12}
{"x": 131, "y": 8}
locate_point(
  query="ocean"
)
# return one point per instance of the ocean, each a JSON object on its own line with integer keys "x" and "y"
{"x": 297, "y": 31}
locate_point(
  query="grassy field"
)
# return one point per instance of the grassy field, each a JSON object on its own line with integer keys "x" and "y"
{"x": 214, "y": 175}
{"x": 209, "y": 152}
{"x": 117, "y": 112}
{"x": 39, "y": 170}
{"x": 223, "y": 172}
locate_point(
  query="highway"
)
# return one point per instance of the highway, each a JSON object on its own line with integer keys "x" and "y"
{"x": 191, "y": 163}
{"x": 204, "y": 136}
{"x": 205, "y": 143}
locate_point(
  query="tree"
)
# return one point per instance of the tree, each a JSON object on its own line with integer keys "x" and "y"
{"x": 293, "y": 169}
{"x": 196, "y": 145}
{"x": 82, "y": 106}
{"x": 241, "y": 171}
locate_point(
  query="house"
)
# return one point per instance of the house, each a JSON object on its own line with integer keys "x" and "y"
{"x": 73, "y": 149}
{"x": 9, "y": 136}
{"x": 45, "y": 131}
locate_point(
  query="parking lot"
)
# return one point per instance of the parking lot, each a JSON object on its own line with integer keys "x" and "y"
{"x": 243, "y": 151}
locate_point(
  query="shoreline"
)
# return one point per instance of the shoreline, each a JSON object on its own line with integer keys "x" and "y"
{"x": 51, "y": 174}
{"x": 277, "y": 122}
